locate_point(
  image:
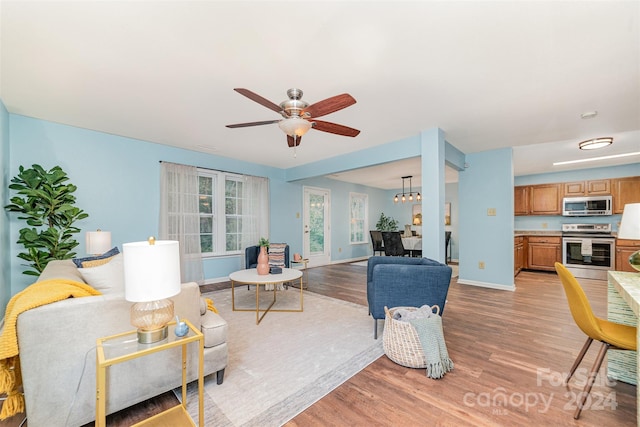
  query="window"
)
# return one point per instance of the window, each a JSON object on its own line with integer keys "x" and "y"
{"x": 358, "y": 217}
{"x": 226, "y": 215}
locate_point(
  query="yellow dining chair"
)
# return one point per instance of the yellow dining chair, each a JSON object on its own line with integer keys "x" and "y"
{"x": 612, "y": 335}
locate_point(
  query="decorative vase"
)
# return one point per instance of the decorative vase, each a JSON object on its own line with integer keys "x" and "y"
{"x": 263, "y": 261}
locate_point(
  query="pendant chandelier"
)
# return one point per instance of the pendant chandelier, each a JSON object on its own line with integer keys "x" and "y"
{"x": 402, "y": 195}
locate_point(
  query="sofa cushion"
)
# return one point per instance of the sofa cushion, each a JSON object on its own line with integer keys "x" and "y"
{"x": 93, "y": 261}
{"x": 214, "y": 328}
{"x": 61, "y": 269}
{"x": 107, "y": 278}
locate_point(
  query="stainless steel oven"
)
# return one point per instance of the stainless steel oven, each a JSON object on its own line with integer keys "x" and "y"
{"x": 588, "y": 250}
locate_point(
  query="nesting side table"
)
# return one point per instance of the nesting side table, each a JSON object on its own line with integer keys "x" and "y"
{"x": 305, "y": 276}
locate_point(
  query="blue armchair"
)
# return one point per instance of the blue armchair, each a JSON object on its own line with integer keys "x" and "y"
{"x": 395, "y": 281}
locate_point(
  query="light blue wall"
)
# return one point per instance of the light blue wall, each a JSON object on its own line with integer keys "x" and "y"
{"x": 535, "y": 222}
{"x": 118, "y": 186}
{"x": 341, "y": 249}
{"x": 118, "y": 182}
{"x": 5, "y": 244}
{"x": 486, "y": 183}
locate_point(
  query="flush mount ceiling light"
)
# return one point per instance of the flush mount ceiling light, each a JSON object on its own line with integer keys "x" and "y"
{"x": 404, "y": 198}
{"x": 595, "y": 143}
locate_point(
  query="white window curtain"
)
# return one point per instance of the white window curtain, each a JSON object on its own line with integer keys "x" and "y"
{"x": 255, "y": 210}
{"x": 180, "y": 217}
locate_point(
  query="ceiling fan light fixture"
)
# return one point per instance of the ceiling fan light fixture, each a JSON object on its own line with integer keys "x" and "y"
{"x": 595, "y": 143}
{"x": 294, "y": 126}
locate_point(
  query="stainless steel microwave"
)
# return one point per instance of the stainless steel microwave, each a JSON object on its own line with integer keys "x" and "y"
{"x": 586, "y": 206}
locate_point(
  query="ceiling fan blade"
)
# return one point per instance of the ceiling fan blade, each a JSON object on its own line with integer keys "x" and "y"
{"x": 334, "y": 128}
{"x": 293, "y": 141}
{"x": 260, "y": 100}
{"x": 244, "y": 125}
{"x": 329, "y": 105}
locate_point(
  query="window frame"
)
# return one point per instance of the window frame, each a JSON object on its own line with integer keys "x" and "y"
{"x": 218, "y": 215}
{"x": 364, "y": 221}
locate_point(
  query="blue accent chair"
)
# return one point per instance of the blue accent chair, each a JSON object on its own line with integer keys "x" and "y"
{"x": 395, "y": 281}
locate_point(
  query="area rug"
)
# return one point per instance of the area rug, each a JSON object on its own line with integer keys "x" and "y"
{"x": 282, "y": 366}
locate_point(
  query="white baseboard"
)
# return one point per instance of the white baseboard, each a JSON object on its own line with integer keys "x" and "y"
{"x": 487, "y": 285}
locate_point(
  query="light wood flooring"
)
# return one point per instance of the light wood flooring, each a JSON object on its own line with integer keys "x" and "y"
{"x": 509, "y": 349}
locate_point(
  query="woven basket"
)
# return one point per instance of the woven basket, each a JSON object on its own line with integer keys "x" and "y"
{"x": 400, "y": 340}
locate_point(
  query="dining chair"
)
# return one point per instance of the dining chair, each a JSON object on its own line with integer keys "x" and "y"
{"x": 612, "y": 335}
{"x": 393, "y": 244}
{"x": 376, "y": 241}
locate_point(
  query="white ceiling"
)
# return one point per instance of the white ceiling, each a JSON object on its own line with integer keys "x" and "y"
{"x": 489, "y": 74}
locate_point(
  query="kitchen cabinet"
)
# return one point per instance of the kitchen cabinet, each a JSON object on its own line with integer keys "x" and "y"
{"x": 521, "y": 200}
{"x": 625, "y": 190}
{"x": 597, "y": 187}
{"x": 624, "y": 249}
{"x": 544, "y": 252}
{"x": 518, "y": 255}
{"x": 545, "y": 199}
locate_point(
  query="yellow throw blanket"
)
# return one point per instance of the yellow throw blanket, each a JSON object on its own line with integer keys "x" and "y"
{"x": 210, "y": 305}
{"x": 40, "y": 293}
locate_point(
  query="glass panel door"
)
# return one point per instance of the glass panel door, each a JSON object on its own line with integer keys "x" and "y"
{"x": 317, "y": 230}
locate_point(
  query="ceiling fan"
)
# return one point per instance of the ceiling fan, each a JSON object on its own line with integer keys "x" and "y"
{"x": 299, "y": 116}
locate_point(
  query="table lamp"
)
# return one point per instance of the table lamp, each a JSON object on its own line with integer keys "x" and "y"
{"x": 630, "y": 229}
{"x": 97, "y": 242}
{"x": 151, "y": 277}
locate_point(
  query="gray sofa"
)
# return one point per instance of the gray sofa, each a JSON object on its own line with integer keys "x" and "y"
{"x": 395, "y": 281}
{"x": 57, "y": 351}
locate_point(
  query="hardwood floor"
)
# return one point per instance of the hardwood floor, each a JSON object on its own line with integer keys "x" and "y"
{"x": 510, "y": 350}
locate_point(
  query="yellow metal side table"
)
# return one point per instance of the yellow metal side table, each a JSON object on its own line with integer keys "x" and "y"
{"x": 123, "y": 347}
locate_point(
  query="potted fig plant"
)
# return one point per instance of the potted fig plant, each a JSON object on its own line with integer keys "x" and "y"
{"x": 46, "y": 202}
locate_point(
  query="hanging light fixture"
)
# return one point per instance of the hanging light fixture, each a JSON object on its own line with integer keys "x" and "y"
{"x": 403, "y": 197}
{"x": 294, "y": 126}
{"x": 595, "y": 143}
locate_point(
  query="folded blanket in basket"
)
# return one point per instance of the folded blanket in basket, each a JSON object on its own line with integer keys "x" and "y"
{"x": 405, "y": 314}
{"x": 431, "y": 336}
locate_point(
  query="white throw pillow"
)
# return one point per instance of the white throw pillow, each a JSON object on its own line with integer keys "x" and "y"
{"x": 107, "y": 278}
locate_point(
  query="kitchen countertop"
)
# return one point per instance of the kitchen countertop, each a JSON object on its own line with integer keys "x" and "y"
{"x": 554, "y": 233}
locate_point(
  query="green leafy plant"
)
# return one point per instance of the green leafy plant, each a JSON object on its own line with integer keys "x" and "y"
{"x": 46, "y": 202}
{"x": 386, "y": 223}
{"x": 263, "y": 242}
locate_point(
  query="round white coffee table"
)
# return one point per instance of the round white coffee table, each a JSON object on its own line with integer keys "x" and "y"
{"x": 250, "y": 276}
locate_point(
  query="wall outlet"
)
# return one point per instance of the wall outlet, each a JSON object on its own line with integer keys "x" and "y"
{"x": 339, "y": 249}
{"x": 491, "y": 212}
{"x": 481, "y": 265}
{"x": 297, "y": 214}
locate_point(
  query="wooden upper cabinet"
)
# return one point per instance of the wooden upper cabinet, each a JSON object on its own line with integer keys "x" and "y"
{"x": 521, "y": 200}
{"x": 587, "y": 188}
{"x": 625, "y": 190}
{"x": 545, "y": 199}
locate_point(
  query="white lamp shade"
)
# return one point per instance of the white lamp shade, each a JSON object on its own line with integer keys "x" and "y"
{"x": 630, "y": 224}
{"x": 151, "y": 271}
{"x": 294, "y": 126}
{"x": 97, "y": 242}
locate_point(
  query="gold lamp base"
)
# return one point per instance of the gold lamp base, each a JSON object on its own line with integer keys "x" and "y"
{"x": 151, "y": 319}
{"x": 149, "y": 337}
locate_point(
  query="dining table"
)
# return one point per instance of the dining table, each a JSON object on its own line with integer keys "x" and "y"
{"x": 413, "y": 243}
